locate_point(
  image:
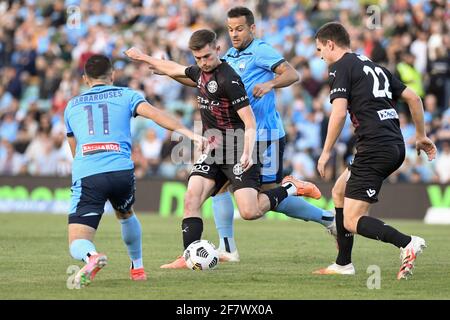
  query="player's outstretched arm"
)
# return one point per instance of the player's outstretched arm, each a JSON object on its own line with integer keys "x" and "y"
{"x": 416, "y": 107}
{"x": 167, "y": 121}
{"x": 167, "y": 67}
{"x": 161, "y": 66}
{"x": 247, "y": 116}
{"x": 335, "y": 125}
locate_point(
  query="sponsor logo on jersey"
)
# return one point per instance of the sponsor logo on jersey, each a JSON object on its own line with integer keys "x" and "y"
{"x": 332, "y": 73}
{"x": 336, "y": 90}
{"x": 93, "y": 148}
{"x": 212, "y": 86}
{"x": 387, "y": 114}
{"x": 234, "y": 102}
{"x": 206, "y": 104}
{"x": 370, "y": 192}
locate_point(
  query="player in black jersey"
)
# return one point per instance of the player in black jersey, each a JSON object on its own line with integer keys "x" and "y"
{"x": 229, "y": 123}
{"x": 368, "y": 92}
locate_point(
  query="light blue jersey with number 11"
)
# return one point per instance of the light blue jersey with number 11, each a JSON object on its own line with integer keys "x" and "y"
{"x": 99, "y": 119}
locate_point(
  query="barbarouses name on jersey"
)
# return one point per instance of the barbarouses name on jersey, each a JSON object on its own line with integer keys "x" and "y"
{"x": 97, "y": 97}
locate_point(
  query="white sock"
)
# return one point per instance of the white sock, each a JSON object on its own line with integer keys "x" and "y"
{"x": 137, "y": 263}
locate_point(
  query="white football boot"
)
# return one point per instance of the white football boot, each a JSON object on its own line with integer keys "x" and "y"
{"x": 225, "y": 256}
{"x": 334, "y": 268}
{"x": 408, "y": 256}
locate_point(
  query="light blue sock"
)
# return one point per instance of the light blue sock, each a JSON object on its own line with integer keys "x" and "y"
{"x": 80, "y": 248}
{"x": 223, "y": 216}
{"x": 298, "y": 208}
{"x": 132, "y": 236}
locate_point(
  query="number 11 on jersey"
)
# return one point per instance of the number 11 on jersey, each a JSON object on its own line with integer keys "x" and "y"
{"x": 90, "y": 115}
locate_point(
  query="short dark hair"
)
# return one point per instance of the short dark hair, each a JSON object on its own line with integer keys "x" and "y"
{"x": 237, "y": 12}
{"x": 334, "y": 31}
{"x": 98, "y": 66}
{"x": 200, "y": 38}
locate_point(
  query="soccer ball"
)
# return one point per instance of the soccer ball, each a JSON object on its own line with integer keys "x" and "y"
{"x": 201, "y": 255}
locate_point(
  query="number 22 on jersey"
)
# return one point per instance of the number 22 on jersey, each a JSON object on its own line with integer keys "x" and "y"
{"x": 375, "y": 73}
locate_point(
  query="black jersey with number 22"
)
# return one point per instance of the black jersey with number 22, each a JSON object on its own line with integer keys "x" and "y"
{"x": 371, "y": 91}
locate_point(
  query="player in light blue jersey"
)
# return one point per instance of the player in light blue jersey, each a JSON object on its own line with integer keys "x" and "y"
{"x": 262, "y": 70}
{"x": 98, "y": 131}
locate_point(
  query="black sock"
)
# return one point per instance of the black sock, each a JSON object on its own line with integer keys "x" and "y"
{"x": 192, "y": 229}
{"x": 344, "y": 240}
{"x": 275, "y": 196}
{"x": 376, "y": 229}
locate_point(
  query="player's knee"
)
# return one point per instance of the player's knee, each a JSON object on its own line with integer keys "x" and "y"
{"x": 249, "y": 213}
{"x": 124, "y": 215}
{"x": 350, "y": 224}
{"x": 338, "y": 194}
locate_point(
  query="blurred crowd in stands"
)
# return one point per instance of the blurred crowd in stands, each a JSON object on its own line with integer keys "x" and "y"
{"x": 44, "y": 45}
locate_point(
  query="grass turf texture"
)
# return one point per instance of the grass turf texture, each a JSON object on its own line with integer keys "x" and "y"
{"x": 277, "y": 258}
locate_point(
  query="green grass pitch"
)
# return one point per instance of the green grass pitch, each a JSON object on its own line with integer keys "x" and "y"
{"x": 277, "y": 260}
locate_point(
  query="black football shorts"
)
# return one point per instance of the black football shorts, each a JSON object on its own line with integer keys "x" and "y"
{"x": 369, "y": 169}
{"x": 221, "y": 173}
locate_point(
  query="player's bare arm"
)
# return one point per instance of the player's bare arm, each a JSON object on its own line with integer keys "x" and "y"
{"x": 247, "y": 116}
{"x": 286, "y": 75}
{"x": 415, "y": 106}
{"x": 165, "y": 120}
{"x": 335, "y": 125}
{"x": 182, "y": 79}
{"x": 73, "y": 145}
{"x": 161, "y": 66}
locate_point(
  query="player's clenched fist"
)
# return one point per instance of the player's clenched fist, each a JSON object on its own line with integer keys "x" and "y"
{"x": 261, "y": 89}
{"x": 427, "y": 146}
{"x": 134, "y": 53}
